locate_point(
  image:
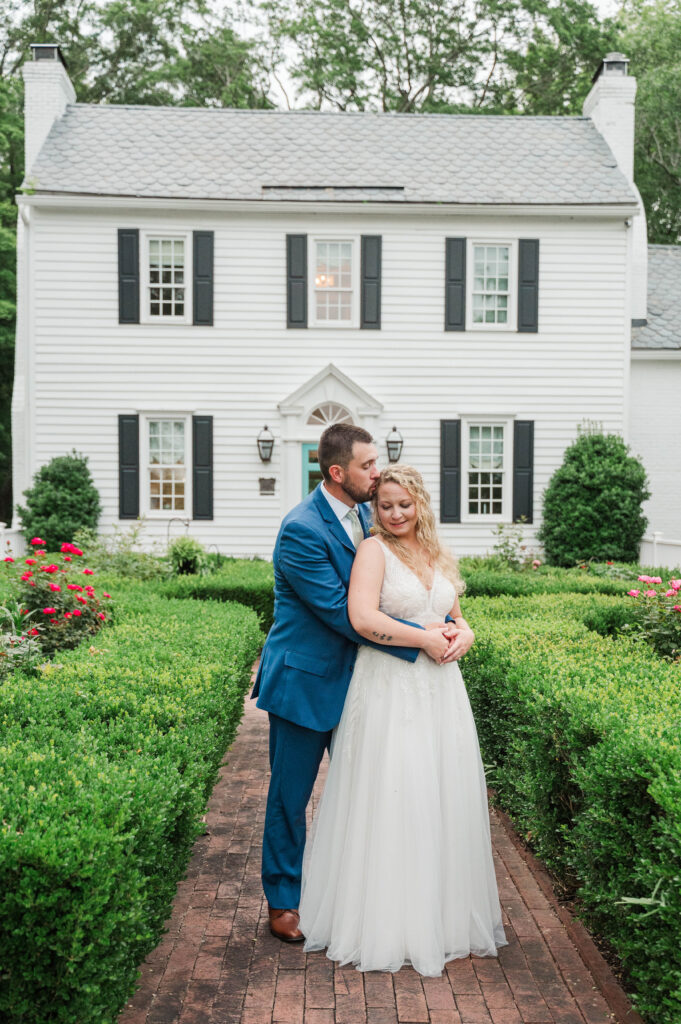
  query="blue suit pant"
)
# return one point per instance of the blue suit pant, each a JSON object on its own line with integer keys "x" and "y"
{"x": 295, "y": 756}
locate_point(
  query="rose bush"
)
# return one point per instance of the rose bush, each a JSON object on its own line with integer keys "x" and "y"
{"x": 62, "y": 602}
{"x": 658, "y": 615}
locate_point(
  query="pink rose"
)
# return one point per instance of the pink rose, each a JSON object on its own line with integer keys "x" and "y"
{"x": 670, "y": 593}
{"x": 101, "y": 616}
{"x": 38, "y": 540}
{"x": 55, "y": 587}
{"x": 36, "y": 552}
{"x": 677, "y": 607}
{"x": 77, "y": 611}
{"x": 49, "y": 611}
{"x": 633, "y": 593}
{"x": 644, "y": 579}
{"x": 676, "y": 584}
{"x": 106, "y": 595}
{"x": 656, "y": 579}
{"x": 650, "y": 593}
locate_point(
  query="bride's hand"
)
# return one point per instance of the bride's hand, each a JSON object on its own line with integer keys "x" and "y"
{"x": 435, "y": 643}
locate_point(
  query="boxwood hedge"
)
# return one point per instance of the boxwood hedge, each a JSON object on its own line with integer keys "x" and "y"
{"x": 585, "y": 733}
{"x": 106, "y": 762}
{"x": 248, "y": 582}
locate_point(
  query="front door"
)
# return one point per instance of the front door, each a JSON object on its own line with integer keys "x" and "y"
{"x": 311, "y": 471}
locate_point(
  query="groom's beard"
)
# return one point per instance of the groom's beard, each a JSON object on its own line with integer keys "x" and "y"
{"x": 358, "y": 495}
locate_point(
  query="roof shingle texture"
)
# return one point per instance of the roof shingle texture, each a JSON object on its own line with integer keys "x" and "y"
{"x": 306, "y": 155}
{"x": 663, "y": 329}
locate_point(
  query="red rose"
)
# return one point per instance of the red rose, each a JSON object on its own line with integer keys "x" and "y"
{"x": 67, "y": 615}
{"x": 88, "y": 572}
{"x": 36, "y": 552}
{"x": 77, "y": 611}
{"x": 38, "y": 540}
{"x": 79, "y": 597}
{"x": 8, "y": 559}
{"x": 49, "y": 611}
{"x": 67, "y": 558}
{"x": 106, "y": 595}
{"x": 101, "y": 616}
{"x": 73, "y": 586}
{"x": 31, "y": 561}
{"x": 34, "y": 632}
{"x": 55, "y": 587}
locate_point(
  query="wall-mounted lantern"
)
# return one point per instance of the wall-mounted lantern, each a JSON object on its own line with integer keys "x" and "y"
{"x": 393, "y": 443}
{"x": 265, "y": 444}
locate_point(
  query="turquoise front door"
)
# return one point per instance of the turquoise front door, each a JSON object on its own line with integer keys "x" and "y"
{"x": 311, "y": 471}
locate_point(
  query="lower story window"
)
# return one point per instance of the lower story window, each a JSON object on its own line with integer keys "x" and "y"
{"x": 485, "y": 469}
{"x": 167, "y": 467}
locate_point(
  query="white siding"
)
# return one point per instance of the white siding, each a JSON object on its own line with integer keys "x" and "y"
{"x": 655, "y": 436}
{"x": 86, "y": 368}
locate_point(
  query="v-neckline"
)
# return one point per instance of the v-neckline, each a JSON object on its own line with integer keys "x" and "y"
{"x": 429, "y": 589}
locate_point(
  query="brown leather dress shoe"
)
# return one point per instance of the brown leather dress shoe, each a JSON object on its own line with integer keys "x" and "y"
{"x": 284, "y": 925}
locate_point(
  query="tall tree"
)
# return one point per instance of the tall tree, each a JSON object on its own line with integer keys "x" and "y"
{"x": 651, "y": 38}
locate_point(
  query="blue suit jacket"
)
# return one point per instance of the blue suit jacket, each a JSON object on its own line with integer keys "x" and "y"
{"x": 310, "y": 651}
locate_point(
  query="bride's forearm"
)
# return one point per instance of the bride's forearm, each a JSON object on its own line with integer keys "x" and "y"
{"x": 376, "y": 626}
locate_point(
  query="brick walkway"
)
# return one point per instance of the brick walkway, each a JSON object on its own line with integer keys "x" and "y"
{"x": 218, "y": 963}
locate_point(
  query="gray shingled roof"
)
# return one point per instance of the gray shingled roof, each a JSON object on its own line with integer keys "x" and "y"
{"x": 663, "y": 329}
{"x": 274, "y": 155}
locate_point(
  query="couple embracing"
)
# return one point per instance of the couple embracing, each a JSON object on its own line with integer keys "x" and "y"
{"x": 362, "y": 660}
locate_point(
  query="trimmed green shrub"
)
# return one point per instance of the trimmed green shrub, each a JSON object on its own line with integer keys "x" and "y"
{"x": 62, "y": 500}
{"x": 116, "y": 553}
{"x": 106, "y": 763}
{"x": 585, "y": 734}
{"x": 248, "y": 582}
{"x": 187, "y": 556}
{"x": 592, "y": 505}
{"x": 486, "y": 583}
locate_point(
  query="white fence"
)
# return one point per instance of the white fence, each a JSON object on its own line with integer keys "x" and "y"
{"x": 660, "y": 550}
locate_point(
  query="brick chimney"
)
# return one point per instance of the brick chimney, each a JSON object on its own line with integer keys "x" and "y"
{"x": 48, "y": 91}
{"x": 610, "y": 105}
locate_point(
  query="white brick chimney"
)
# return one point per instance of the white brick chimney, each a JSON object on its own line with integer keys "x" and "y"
{"x": 48, "y": 91}
{"x": 610, "y": 105}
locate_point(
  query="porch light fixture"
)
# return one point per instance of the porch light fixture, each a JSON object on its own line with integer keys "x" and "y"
{"x": 265, "y": 444}
{"x": 393, "y": 443}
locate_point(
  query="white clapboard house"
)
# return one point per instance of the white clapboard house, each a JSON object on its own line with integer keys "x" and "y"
{"x": 188, "y": 277}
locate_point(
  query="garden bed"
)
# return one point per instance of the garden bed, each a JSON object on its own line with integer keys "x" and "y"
{"x": 106, "y": 764}
{"x": 584, "y": 735}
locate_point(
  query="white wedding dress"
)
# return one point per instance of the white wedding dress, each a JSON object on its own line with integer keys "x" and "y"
{"x": 398, "y": 864}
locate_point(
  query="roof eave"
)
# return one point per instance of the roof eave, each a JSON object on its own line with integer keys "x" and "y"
{"x": 106, "y": 201}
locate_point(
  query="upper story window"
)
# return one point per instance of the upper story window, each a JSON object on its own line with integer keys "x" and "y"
{"x": 492, "y": 285}
{"x": 334, "y": 282}
{"x": 486, "y": 479}
{"x": 167, "y": 461}
{"x": 166, "y": 296}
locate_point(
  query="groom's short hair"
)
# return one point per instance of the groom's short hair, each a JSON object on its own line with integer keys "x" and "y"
{"x": 336, "y": 444}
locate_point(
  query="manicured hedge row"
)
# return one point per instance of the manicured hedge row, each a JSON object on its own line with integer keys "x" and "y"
{"x": 248, "y": 582}
{"x": 585, "y": 731}
{"x": 492, "y": 583}
{"x": 106, "y": 762}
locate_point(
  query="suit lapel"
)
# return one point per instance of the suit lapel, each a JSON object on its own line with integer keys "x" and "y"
{"x": 332, "y": 521}
{"x": 365, "y": 519}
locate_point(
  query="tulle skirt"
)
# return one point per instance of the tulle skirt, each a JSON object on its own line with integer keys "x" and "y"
{"x": 398, "y": 865}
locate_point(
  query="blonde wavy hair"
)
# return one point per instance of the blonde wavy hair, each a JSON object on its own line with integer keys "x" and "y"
{"x": 436, "y": 554}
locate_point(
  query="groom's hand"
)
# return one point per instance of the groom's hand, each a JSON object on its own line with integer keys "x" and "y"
{"x": 461, "y": 639}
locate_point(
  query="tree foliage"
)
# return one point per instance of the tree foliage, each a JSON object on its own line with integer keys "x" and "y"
{"x": 651, "y": 38}
{"x": 62, "y": 500}
{"x": 592, "y": 505}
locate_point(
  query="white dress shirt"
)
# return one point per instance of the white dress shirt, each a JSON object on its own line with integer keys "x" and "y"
{"x": 340, "y": 510}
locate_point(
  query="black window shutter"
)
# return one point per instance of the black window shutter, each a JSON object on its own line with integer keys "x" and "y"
{"x": 202, "y": 460}
{"x": 203, "y": 278}
{"x": 528, "y": 285}
{"x": 371, "y": 282}
{"x": 128, "y": 276}
{"x": 523, "y": 469}
{"x": 450, "y": 471}
{"x": 296, "y": 280}
{"x": 128, "y": 466}
{"x": 455, "y": 284}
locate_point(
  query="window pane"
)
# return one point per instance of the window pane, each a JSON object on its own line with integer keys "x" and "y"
{"x": 166, "y": 267}
{"x": 490, "y": 284}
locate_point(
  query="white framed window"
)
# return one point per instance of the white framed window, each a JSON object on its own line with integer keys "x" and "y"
{"x": 167, "y": 276}
{"x": 166, "y": 461}
{"x": 334, "y": 281}
{"x": 492, "y": 285}
{"x": 487, "y": 470}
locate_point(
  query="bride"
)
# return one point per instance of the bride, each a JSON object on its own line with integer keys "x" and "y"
{"x": 398, "y": 865}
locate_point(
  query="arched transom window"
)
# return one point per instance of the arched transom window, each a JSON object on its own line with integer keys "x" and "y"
{"x": 327, "y": 413}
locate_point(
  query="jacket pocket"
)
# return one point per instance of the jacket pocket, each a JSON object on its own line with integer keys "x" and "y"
{"x": 304, "y": 664}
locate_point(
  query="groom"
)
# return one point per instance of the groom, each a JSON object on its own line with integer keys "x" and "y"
{"x": 310, "y": 652}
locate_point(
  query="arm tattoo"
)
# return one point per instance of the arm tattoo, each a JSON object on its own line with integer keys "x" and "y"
{"x": 382, "y": 636}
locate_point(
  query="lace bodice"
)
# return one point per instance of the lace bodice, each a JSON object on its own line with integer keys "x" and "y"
{"x": 404, "y": 596}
